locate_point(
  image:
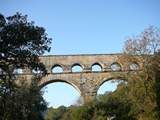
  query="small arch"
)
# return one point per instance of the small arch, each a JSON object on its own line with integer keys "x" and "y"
{"x": 76, "y": 67}
{"x": 96, "y": 67}
{"x": 115, "y": 66}
{"x": 57, "y": 69}
{"x": 37, "y": 71}
{"x": 18, "y": 71}
{"x": 134, "y": 66}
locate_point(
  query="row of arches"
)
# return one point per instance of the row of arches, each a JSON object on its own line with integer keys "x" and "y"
{"x": 76, "y": 68}
{"x": 96, "y": 67}
{"x": 73, "y": 94}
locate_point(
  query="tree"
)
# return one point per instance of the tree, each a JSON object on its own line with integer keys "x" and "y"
{"x": 114, "y": 105}
{"x": 55, "y": 114}
{"x": 21, "y": 43}
{"x": 157, "y": 81}
{"x": 144, "y": 83}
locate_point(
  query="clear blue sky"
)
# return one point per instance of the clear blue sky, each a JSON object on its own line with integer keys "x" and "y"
{"x": 87, "y": 26}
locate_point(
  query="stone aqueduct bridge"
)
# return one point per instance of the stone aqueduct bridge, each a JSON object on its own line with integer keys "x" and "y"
{"x": 87, "y": 81}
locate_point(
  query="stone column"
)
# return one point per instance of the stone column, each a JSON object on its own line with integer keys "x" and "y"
{"x": 86, "y": 68}
{"x": 88, "y": 91}
{"x": 49, "y": 68}
{"x": 89, "y": 97}
{"x": 67, "y": 68}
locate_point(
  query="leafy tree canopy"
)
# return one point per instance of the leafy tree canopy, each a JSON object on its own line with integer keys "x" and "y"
{"x": 21, "y": 42}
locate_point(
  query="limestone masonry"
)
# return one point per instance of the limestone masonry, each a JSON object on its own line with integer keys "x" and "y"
{"x": 87, "y": 81}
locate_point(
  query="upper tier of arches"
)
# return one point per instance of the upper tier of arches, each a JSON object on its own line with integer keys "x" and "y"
{"x": 59, "y": 64}
{"x": 77, "y": 68}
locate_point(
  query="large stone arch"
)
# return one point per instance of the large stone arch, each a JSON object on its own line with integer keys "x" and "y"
{"x": 109, "y": 78}
{"x": 59, "y": 80}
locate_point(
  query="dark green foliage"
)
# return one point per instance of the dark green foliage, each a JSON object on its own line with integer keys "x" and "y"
{"x": 25, "y": 102}
{"x": 114, "y": 105}
{"x": 108, "y": 106}
{"x": 157, "y": 82}
{"x": 21, "y": 42}
{"x": 55, "y": 114}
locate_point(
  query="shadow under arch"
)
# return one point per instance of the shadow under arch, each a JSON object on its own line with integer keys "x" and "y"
{"x": 59, "y": 80}
{"x": 115, "y": 78}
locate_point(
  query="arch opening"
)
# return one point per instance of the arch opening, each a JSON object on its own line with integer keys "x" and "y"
{"x": 61, "y": 93}
{"x": 18, "y": 71}
{"x": 77, "y": 68}
{"x": 96, "y": 67}
{"x": 57, "y": 69}
{"x": 133, "y": 66}
{"x": 115, "y": 67}
{"x": 109, "y": 86}
{"x": 37, "y": 71}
